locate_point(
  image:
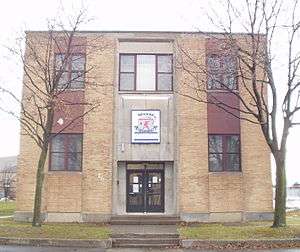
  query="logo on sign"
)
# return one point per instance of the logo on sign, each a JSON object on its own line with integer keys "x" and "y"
{"x": 146, "y": 123}
{"x": 145, "y": 126}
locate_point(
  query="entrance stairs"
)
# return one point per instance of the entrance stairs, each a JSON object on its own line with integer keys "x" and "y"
{"x": 145, "y": 240}
{"x": 138, "y": 231}
{"x": 145, "y": 220}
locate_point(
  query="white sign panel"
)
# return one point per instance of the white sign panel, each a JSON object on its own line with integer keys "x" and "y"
{"x": 145, "y": 126}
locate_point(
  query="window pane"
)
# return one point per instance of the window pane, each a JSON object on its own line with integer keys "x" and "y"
{"x": 214, "y": 81}
{"x": 215, "y": 162}
{"x": 126, "y": 81}
{"x": 59, "y": 60}
{"x": 57, "y": 143}
{"x": 75, "y": 143}
{"x": 57, "y": 161}
{"x": 214, "y": 63}
{"x": 233, "y": 144}
{"x": 77, "y": 80}
{"x": 63, "y": 81}
{"x": 145, "y": 72}
{"x": 74, "y": 161}
{"x": 164, "y": 81}
{"x": 233, "y": 162}
{"x": 127, "y": 63}
{"x": 164, "y": 63}
{"x": 229, "y": 64}
{"x": 229, "y": 81}
{"x": 215, "y": 144}
{"x": 78, "y": 62}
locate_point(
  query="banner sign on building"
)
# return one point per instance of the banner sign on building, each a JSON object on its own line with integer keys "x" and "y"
{"x": 145, "y": 126}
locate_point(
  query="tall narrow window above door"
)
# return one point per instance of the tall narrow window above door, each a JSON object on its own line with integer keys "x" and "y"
{"x": 146, "y": 72}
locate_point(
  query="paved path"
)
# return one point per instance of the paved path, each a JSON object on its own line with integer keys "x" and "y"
{"x": 6, "y": 216}
{"x": 53, "y": 249}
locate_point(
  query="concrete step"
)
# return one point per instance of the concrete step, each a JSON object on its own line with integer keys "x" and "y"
{"x": 145, "y": 245}
{"x": 158, "y": 241}
{"x": 144, "y": 220}
{"x": 145, "y": 235}
{"x": 150, "y": 240}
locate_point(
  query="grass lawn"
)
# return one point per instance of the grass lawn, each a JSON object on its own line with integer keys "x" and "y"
{"x": 7, "y": 208}
{"x": 10, "y": 228}
{"x": 251, "y": 230}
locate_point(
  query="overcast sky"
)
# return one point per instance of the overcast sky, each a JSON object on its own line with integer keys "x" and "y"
{"x": 174, "y": 15}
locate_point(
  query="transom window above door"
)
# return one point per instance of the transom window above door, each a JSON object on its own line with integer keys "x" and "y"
{"x": 146, "y": 72}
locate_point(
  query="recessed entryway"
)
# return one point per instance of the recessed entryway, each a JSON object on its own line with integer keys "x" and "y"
{"x": 145, "y": 190}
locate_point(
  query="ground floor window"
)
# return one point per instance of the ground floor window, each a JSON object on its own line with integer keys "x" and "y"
{"x": 66, "y": 152}
{"x": 224, "y": 153}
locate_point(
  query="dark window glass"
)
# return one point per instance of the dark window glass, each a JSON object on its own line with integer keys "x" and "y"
{"x": 215, "y": 144}
{"x": 221, "y": 72}
{"x": 164, "y": 81}
{"x": 164, "y": 63}
{"x": 233, "y": 162}
{"x": 127, "y": 63}
{"x": 57, "y": 144}
{"x": 224, "y": 153}
{"x": 57, "y": 161}
{"x": 145, "y": 72}
{"x": 74, "y": 161}
{"x": 70, "y": 71}
{"x": 60, "y": 64}
{"x": 127, "y": 81}
{"x": 215, "y": 162}
{"x": 66, "y": 152}
{"x": 233, "y": 144}
{"x": 77, "y": 62}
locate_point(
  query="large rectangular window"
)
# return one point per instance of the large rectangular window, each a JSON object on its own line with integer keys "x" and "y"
{"x": 70, "y": 71}
{"x": 146, "y": 72}
{"x": 221, "y": 72}
{"x": 66, "y": 152}
{"x": 224, "y": 153}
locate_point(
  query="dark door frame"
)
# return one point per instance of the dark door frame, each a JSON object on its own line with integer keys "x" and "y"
{"x": 144, "y": 171}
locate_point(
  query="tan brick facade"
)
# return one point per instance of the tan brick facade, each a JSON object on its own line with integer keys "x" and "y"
{"x": 199, "y": 195}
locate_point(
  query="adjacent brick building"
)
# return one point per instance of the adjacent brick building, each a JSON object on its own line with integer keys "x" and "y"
{"x": 148, "y": 148}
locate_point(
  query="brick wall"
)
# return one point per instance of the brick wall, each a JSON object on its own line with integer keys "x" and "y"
{"x": 198, "y": 191}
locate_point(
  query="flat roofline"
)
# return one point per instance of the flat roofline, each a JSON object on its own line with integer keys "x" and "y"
{"x": 158, "y": 32}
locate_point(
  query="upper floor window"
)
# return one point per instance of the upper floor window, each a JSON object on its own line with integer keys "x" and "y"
{"x": 221, "y": 72}
{"x": 66, "y": 152}
{"x": 224, "y": 153}
{"x": 146, "y": 72}
{"x": 71, "y": 70}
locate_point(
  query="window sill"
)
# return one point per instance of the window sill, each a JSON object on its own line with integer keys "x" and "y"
{"x": 222, "y": 91}
{"x": 64, "y": 172}
{"x": 238, "y": 173}
{"x": 70, "y": 89}
{"x": 146, "y": 92}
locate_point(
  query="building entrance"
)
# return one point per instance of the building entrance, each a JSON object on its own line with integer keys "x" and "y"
{"x": 145, "y": 190}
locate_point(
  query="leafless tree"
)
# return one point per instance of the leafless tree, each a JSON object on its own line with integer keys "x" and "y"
{"x": 254, "y": 54}
{"x": 47, "y": 77}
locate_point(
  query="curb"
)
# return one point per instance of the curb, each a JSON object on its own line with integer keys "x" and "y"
{"x": 107, "y": 243}
{"x": 240, "y": 244}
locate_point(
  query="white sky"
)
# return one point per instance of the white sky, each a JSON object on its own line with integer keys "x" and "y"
{"x": 174, "y": 15}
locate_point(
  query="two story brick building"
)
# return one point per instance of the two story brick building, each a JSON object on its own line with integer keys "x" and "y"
{"x": 148, "y": 149}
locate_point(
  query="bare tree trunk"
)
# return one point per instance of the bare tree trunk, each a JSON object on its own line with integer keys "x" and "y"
{"x": 280, "y": 194}
{"x": 37, "y": 220}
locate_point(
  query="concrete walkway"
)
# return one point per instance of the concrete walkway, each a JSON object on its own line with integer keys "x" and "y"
{"x": 56, "y": 249}
{"x": 6, "y": 216}
{"x": 144, "y": 229}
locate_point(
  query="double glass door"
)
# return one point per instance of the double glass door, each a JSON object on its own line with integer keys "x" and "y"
{"x": 145, "y": 191}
